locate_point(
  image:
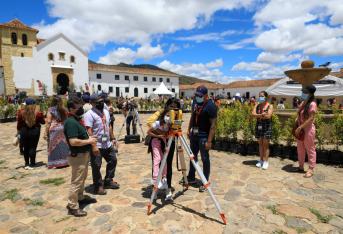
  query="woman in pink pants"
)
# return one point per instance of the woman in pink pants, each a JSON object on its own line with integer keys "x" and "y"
{"x": 306, "y": 115}
{"x": 159, "y": 133}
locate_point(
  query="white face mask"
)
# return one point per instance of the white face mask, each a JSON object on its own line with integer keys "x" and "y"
{"x": 167, "y": 119}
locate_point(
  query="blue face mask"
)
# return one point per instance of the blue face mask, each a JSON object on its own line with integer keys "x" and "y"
{"x": 304, "y": 96}
{"x": 199, "y": 100}
{"x": 261, "y": 99}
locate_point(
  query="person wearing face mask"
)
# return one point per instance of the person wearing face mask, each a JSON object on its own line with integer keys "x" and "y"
{"x": 263, "y": 112}
{"x": 201, "y": 130}
{"x": 172, "y": 103}
{"x": 305, "y": 120}
{"x": 159, "y": 134}
{"x": 80, "y": 146}
{"x": 97, "y": 121}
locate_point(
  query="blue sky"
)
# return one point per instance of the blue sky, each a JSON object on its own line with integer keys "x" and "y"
{"x": 219, "y": 40}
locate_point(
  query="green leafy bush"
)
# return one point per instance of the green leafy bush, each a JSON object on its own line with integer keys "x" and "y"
{"x": 276, "y": 129}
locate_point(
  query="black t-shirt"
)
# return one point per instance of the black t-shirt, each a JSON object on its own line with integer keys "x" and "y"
{"x": 73, "y": 129}
{"x": 202, "y": 119}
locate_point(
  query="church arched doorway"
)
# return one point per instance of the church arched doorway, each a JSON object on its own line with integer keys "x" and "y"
{"x": 63, "y": 83}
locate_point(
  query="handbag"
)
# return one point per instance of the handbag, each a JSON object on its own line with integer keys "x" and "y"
{"x": 15, "y": 140}
{"x": 301, "y": 135}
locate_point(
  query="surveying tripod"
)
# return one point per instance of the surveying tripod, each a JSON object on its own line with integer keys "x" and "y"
{"x": 176, "y": 134}
{"x": 136, "y": 115}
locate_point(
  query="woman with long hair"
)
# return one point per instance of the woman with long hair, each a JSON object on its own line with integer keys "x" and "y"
{"x": 29, "y": 124}
{"x": 58, "y": 149}
{"x": 263, "y": 112}
{"x": 305, "y": 122}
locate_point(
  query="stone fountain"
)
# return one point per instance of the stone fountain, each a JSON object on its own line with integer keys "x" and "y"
{"x": 308, "y": 74}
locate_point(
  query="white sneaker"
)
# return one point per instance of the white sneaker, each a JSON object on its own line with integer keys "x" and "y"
{"x": 259, "y": 164}
{"x": 169, "y": 196}
{"x": 163, "y": 184}
{"x": 28, "y": 168}
{"x": 265, "y": 165}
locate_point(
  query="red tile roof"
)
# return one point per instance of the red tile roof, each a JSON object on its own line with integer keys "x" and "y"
{"x": 17, "y": 24}
{"x": 338, "y": 74}
{"x": 40, "y": 40}
{"x": 124, "y": 69}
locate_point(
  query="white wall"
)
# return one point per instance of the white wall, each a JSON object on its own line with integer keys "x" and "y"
{"x": 254, "y": 91}
{"x": 38, "y": 67}
{"x": 2, "y": 81}
{"x": 108, "y": 80}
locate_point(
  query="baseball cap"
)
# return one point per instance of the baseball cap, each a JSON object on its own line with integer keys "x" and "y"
{"x": 201, "y": 91}
{"x": 30, "y": 101}
{"x": 86, "y": 97}
{"x": 94, "y": 97}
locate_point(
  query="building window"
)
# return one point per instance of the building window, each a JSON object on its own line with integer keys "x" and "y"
{"x": 173, "y": 90}
{"x": 127, "y": 78}
{"x": 14, "y": 38}
{"x": 154, "y": 79}
{"x": 161, "y": 79}
{"x": 98, "y": 75}
{"x": 228, "y": 94}
{"x": 72, "y": 59}
{"x": 145, "y": 78}
{"x": 127, "y": 89}
{"x": 51, "y": 57}
{"x": 135, "y": 78}
{"x": 182, "y": 94}
{"x": 24, "y": 39}
{"x": 22, "y": 54}
{"x": 145, "y": 90}
{"x": 153, "y": 89}
{"x": 99, "y": 87}
{"x": 116, "y": 77}
{"x": 61, "y": 55}
{"x": 168, "y": 80}
{"x": 110, "y": 89}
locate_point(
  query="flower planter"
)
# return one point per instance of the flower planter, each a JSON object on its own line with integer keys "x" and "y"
{"x": 336, "y": 157}
{"x": 252, "y": 148}
{"x": 7, "y": 120}
{"x": 276, "y": 150}
{"x": 323, "y": 156}
{"x": 243, "y": 149}
{"x": 226, "y": 145}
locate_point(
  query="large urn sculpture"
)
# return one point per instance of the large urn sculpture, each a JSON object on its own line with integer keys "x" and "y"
{"x": 308, "y": 74}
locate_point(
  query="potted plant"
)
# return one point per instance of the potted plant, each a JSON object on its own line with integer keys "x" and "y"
{"x": 321, "y": 128}
{"x": 288, "y": 150}
{"x": 276, "y": 148}
{"x": 336, "y": 155}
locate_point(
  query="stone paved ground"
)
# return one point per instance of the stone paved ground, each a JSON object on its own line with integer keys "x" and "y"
{"x": 255, "y": 201}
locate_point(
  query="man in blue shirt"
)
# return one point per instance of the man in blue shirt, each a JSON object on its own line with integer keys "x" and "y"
{"x": 201, "y": 130}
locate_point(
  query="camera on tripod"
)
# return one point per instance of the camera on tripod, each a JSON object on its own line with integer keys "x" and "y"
{"x": 175, "y": 119}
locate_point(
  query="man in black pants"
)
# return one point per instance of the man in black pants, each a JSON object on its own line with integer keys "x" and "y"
{"x": 201, "y": 130}
{"x": 97, "y": 122}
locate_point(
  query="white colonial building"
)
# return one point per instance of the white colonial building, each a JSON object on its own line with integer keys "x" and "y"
{"x": 56, "y": 65}
{"x": 130, "y": 80}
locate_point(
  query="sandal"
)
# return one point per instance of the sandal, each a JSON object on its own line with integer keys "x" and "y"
{"x": 308, "y": 174}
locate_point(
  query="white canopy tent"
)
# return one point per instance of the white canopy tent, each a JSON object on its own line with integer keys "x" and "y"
{"x": 329, "y": 86}
{"x": 162, "y": 90}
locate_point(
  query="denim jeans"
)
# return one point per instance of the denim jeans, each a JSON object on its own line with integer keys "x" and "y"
{"x": 198, "y": 144}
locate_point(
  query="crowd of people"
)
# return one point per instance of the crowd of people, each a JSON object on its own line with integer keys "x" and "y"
{"x": 83, "y": 132}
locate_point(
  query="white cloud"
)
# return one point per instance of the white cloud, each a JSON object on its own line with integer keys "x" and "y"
{"x": 336, "y": 66}
{"x": 209, "y": 36}
{"x": 253, "y": 66}
{"x": 301, "y": 28}
{"x": 268, "y": 57}
{"x": 238, "y": 45}
{"x": 127, "y": 55}
{"x": 131, "y": 21}
{"x": 208, "y": 71}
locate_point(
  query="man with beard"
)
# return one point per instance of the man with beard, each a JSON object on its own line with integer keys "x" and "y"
{"x": 97, "y": 122}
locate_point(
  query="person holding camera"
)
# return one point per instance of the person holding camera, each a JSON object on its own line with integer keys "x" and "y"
{"x": 80, "y": 146}
{"x": 201, "y": 130}
{"x": 97, "y": 121}
{"x": 130, "y": 113}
